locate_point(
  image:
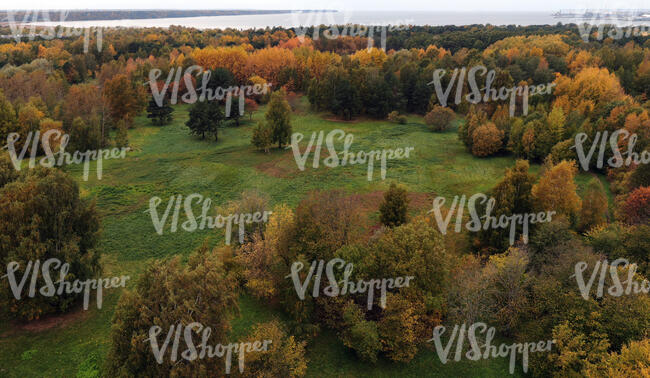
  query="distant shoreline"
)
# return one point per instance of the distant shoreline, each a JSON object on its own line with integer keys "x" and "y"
{"x": 53, "y": 15}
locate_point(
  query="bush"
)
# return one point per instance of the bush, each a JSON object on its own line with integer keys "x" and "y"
{"x": 487, "y": 140}
{"x": 394, "y": 116}
{"x": 439, "y": 118}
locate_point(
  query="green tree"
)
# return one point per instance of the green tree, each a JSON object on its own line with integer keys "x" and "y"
{"x": 234, "y": 115}
{"x": 42, "y": 216}
{"x": 85, "y": 136}
{"x": 262, "y": 136}
{"x": 392, "y": 211}
{"x": 278, "y": 118}
{"x": 159, "y": 115}
{"x": 168, "y": 294}
{"x": 512, "y": 195}
{"x": 121, "y": 136}
{"x": 205, "y": 118}
{"x": 7, "y": 171}
{"x": 8, "y": 118}
{"x": 594, "y": 206}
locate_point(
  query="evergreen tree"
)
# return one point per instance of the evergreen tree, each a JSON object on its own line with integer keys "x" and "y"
{"x": 205, "y": 118}
{"x": 159, "y": 115}
{"x": 392, "y": 212}
{"x": 262, "y": 136}
{"x": 234, "y": 114}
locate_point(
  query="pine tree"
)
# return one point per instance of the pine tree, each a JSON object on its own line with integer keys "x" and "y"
{"x": 392, "y": 212}
{"x": 262, "y": 136}
{"x": 205, "y": 118}
{"x": 159, "y": 115}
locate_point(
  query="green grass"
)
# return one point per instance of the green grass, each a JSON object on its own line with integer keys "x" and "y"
{"x": 168, "y": 161}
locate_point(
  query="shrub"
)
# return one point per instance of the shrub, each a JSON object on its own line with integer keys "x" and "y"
{"x": 487, "y": 140}
{"x": 439, "y": 118}
{"x": 394, "y": 116}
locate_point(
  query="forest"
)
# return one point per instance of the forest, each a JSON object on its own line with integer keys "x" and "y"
{"x": 572, "y": 145}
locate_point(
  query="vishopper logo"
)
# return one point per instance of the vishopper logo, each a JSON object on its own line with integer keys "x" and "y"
{"x": 614, "y": 32}
{"x": 487, "y": 221}
{"x": 484, "y": 350}
{"x": 612, "y": 19}
{"x": 336, "y": 24}
{"x": 201, "y": 221}
{"x": 61, "y": 157}
{"x": 616, "y": 289}
{"x": 64, "y": 286}
{"x": 347, "y": 158}
{"x": 204, "y": 349}
{"x": 615, "y": 161}
{"x": 489, "y": 93}
{"x": 48, "y": 32}
{"x": 346, "y": 286}
{"x": 206, "y": 93}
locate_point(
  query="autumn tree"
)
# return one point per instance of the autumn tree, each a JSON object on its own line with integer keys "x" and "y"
{"x": 640, "y": 176}
{"x": 285, "y": 356}
{"x": 83, "y": 101}
{"x": 7, "y": 171}
{"x": 487, "y": 140}
{"x": 173, "y": 294}
{"x": 124, "y": 99}
{"x": 250, "y": 107}
{"x": 594, "y": 206}
{"x": 8, "y": 118}
{"x": 121, "y": 134}
{"x": 42, "y": 216}
{"x": 633, "y": 360}
{"x": 278, "y": 118}
{"x": 395, "y": 117}
{"x": 635, "y": 208}
{"x": 392, "y": 211}
{"x": 85, "y": 135}
{"x": 556, "y": 190}
{"x": 512, "y": 195}
{"x": 439, "y": 118}
{"x": 29, "y": 119}
{"x": 252, "y": 201}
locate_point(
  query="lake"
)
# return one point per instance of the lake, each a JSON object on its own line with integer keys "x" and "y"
{"x": 289, "y": 20}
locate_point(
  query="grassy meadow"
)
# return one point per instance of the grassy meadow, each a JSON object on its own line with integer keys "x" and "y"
{"x": 168, "y": 161}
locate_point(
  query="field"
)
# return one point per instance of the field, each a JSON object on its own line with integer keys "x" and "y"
{"x": 168, "y": 161}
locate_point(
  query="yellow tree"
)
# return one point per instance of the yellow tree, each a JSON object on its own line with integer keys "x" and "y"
{"x": 556, "y": 190}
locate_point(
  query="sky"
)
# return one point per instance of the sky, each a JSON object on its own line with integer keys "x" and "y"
{"x": 357, "y": 5}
